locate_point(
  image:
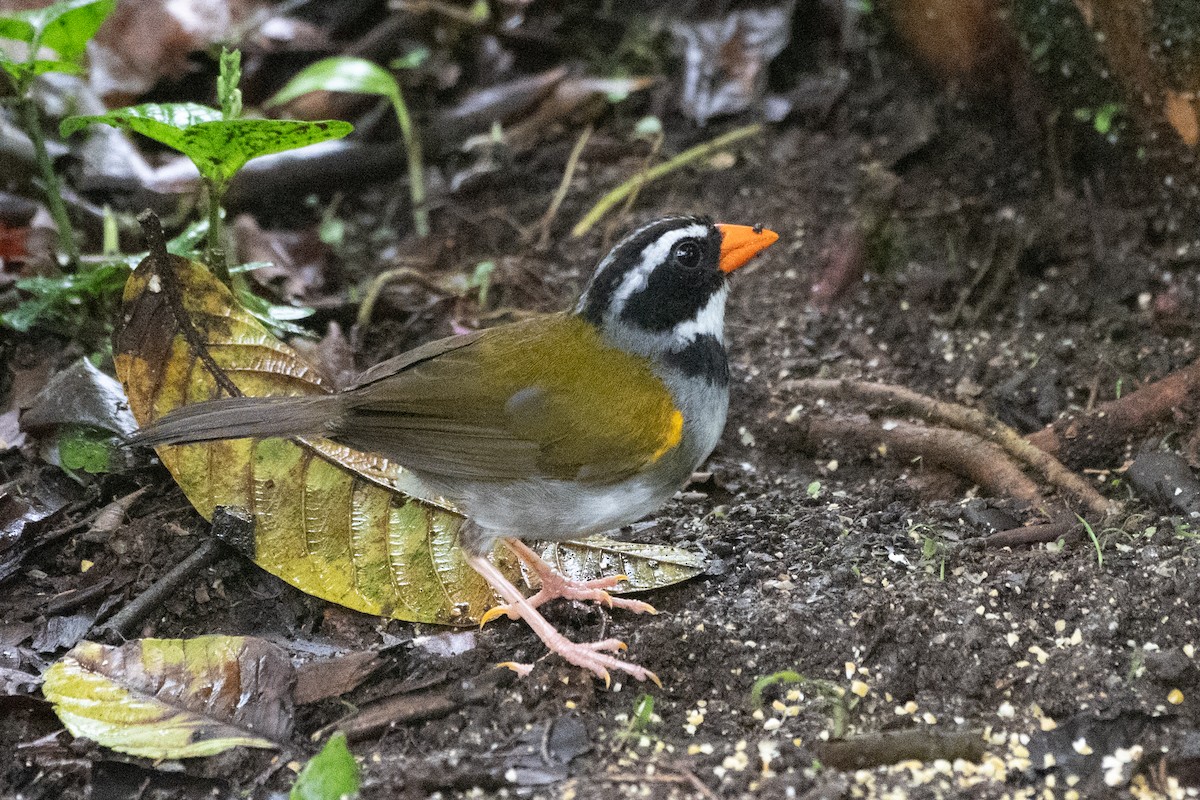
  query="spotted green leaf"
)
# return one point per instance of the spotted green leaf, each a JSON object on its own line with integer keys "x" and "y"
{"x": 218, "y": 147}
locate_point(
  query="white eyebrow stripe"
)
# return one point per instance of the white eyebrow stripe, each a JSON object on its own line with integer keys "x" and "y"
{"x": 608, "y": 259}
{"x": 653, "y": 255}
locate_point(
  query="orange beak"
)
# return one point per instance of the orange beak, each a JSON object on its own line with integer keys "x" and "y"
{"x": 740, "y": 243}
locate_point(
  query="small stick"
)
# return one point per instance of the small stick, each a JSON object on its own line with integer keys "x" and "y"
{"x": 967, "y": 419}
{"x": 402, "y": 709}
{"x": 563, "y": 187}
{"x": 644, "y": 177}
{"x": 117, "y": 629}
{"x": 391, "y": 276}
{"x": 891, "y": 747}
{"x": 637, "y": 189}
{"x": 66, "y": 601}
{"x": 1032, "y": 534}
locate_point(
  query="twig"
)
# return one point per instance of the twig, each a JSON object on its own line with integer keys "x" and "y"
{"x": 60, "y": 604}
{"x": 402, "y": 709}
{"x": 684, "y": 777}
{"x": 964, "y": 453}
{"x": 967, "y": 419}
{"x": 563, "y": 187}
{"x": 647, "y": 176}
{"x": 375, "y": 289}
{"x": 878, "y": 749}
{"x": 117, "y": 629}
{"x": 637, "y": 189}
{"x": 1032, "y": 534}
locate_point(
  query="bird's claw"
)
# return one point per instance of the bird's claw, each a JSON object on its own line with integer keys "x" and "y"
{"x": 522, "y": 670}
{"x": 495, "y": 612}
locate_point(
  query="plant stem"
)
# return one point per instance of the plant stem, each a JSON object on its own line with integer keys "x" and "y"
{"x": 214, "y": 250}
{"x": 642, "y": 178}
{"x": 564, "y": 186}
{"x": 53, "y": 191}
{"x": 416, "y": 165}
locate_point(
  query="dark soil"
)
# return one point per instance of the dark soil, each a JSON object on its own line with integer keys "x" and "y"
{"x": 1063, "y": 662}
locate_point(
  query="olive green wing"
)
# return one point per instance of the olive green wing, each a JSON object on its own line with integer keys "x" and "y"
{"x": 544, "y": 397}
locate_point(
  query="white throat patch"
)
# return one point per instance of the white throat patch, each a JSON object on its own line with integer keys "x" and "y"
{"x": 709, "y": 320}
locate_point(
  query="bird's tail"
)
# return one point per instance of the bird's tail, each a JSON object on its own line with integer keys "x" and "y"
{"x": 242, "y": 418}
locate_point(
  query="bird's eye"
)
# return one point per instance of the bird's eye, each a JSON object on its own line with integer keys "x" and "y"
{"x": 687, "y": 254}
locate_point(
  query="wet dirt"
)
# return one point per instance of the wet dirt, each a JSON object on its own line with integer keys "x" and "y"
{"x": 848, "y": 575}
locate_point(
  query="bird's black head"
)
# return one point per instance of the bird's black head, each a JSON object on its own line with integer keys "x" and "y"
{"x": 658, "y": 276}
{"x": 667, "y": 280}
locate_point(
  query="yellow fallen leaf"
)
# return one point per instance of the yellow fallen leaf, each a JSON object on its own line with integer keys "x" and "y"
{"x": 175, "y": 698}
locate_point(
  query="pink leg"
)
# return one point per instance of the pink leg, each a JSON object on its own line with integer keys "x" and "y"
{"x": 590, "y": 656}
{"x": 554, "y": 586}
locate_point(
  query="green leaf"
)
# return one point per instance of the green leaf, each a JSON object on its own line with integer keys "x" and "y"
{"x": 330, "y": 774}
{"x": 83, "y": 447}
{"x": 162, "y": 122}
{"x": 766, "y": 681}
{"x": 65, "y": 26}
{"x": 340, "y": 74}
{"x": 277, "y": 318}
{"x": 16, "y": 27}
{"x": 22, "y": 318}
{"x": 23, "y": 72}
{"x": 175, "y": 698}
{"x": 218, "y": 147}
{"x": 411, "y": 60}
{"x": 60, "y": 302}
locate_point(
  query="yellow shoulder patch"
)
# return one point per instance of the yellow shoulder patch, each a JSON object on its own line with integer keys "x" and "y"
{"x": 673, "y": 437}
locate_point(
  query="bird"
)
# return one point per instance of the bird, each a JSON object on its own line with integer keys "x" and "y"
{"x": 555, "y": 427}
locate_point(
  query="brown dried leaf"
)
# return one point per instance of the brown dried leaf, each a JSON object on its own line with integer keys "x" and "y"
{"x": 1181, "y": 111}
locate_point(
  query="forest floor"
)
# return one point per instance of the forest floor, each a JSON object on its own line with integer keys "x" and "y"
{"x": 948, "y": 669}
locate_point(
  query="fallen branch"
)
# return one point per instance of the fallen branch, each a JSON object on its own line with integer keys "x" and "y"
{"x": 962, "y": 418}
{"x": 1093, "y": 437}
{"x": 118, "y": 629}
{"x": 226, "y": 523}
{"x": 1033, "y": 534}
{"x": 963, "y": 453}
{"x": 382, "y": 280}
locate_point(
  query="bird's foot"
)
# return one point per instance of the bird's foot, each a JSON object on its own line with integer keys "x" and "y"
{"x": 555, "y": 586}
{"x": 592, "y": 656}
